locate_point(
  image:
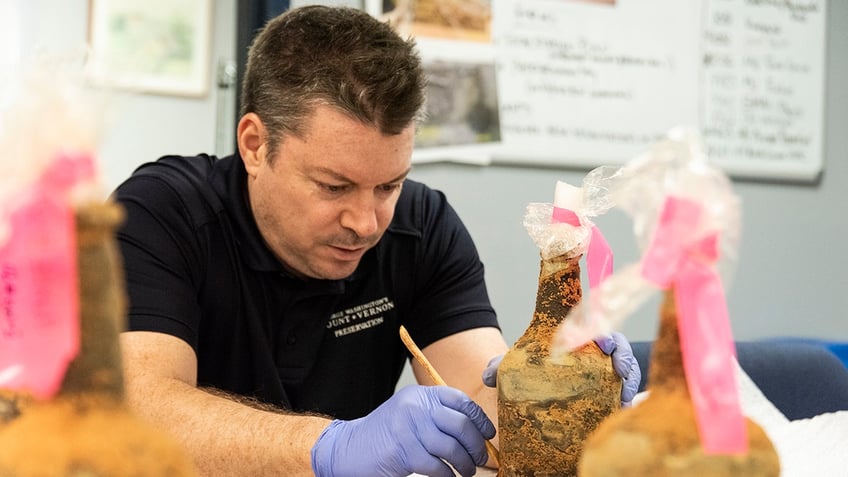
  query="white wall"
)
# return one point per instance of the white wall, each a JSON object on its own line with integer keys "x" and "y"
{"x": 792, "y": 279}
{"x": 139, "y": 127}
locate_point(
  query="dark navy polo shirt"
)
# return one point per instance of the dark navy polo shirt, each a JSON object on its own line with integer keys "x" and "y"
{"x": 197, "y": 268}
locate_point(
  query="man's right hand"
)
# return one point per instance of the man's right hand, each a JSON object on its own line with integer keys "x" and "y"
{"x": 416, "y": 431}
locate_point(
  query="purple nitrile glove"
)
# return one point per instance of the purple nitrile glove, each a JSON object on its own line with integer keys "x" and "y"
{"x": 490, "y": 374}
{"x": 416, "y": 431}
{"x": 618, "y": 347}
{"x": 623, "y": 361}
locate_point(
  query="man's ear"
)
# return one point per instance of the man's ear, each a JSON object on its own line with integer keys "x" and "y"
{"x": 252, "y": 140}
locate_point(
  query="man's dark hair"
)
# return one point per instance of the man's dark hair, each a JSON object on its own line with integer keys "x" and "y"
{"x": 341, "y": 57}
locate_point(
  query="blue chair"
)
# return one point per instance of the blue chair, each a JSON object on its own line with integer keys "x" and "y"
{"x": 802, "y": 379}
{"x": 838, "y": 348}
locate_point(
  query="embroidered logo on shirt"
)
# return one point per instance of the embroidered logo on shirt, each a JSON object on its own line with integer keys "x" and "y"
{"x": 359, "y": 317}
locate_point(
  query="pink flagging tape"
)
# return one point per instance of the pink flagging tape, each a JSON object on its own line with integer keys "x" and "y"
{"x": 599, "y": 259}
{"x": 679, "y": 257}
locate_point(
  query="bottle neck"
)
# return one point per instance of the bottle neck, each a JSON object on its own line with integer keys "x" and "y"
{"x": 97, "y": 368}
{"x": 559, "y": 290}
{"x": 666, "y": 368}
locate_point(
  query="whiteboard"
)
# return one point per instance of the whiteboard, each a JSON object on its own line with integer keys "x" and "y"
{"x": 591, "y": 82}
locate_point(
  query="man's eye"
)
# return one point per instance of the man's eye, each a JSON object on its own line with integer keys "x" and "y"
{"x": 333, "y": 189}
{"x": 389, "y": 188}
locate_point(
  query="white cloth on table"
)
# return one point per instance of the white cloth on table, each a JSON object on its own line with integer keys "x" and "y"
{"x": 481, "y": 472}
{"x": 815, "y": 446}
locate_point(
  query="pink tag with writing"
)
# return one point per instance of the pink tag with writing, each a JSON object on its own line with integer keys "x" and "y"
{"x": 680, "y": 258}
{"x": 39, "y": 290}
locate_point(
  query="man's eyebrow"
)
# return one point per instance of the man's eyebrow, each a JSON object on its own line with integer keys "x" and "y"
{"x": 343, "y": 178}
{"x": 402, "y": 176}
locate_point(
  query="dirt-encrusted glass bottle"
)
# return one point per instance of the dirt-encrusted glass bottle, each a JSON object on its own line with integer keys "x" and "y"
{"x": 659, "y": 437}
{"x": 548, "y": 405}
{"x": 86, "y": 429}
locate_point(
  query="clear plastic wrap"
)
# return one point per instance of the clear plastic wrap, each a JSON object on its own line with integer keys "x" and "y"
{"x": 678, "y": 167}
{"x": 555, "y": 239}
{"x": 46, "y": 112}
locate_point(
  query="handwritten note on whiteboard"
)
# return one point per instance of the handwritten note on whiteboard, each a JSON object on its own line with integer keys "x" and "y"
{"x": 763, "y": 86}
{"x": 588, "y": 83}
{"x": 583, "y": 83}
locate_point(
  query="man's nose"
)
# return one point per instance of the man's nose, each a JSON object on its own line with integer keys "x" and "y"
{"x": 361, "y": 217}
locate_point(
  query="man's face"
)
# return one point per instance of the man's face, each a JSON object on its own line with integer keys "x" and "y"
{"x": 329, "y": 196}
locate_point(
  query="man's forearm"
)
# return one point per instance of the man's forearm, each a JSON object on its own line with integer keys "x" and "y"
{"x": 487, "y": 398}
{"x": 223, "y": 436}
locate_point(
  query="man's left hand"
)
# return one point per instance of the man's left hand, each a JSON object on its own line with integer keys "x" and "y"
{"x": 624, "y": 363}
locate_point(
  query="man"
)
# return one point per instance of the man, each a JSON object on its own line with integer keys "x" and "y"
{"x": 266, "y": 289}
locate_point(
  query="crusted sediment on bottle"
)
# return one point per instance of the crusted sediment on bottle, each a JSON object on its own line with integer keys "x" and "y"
{"x": 10, "y": 406}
